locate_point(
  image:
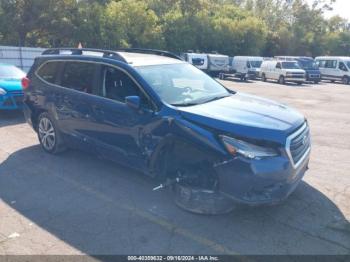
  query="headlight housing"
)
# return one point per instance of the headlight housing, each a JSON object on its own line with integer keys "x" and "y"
{"x": 248, "y": 150}
{"x": 2, "y": 91}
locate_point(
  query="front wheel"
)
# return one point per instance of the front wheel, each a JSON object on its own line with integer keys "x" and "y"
{"x": 49, "y": 136}
{"x": 281, "y": 80}
{"x": 346, "y": 80}
{"x": 263, "y": 78}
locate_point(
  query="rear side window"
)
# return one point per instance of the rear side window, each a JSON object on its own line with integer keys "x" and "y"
{"x": 48, "y": 71}
{"x": 78, "y": 76}
{"x": 331, "y": 64}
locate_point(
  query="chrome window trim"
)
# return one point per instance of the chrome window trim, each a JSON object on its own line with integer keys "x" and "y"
{"x": 288, "y": 143}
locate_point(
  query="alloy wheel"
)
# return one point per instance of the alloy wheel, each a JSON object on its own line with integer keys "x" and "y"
{"x": 47, "y": 134}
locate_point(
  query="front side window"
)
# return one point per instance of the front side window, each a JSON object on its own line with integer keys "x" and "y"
{"x": 48, "y": 71}
{"x": 182, "y": 84}
{"x": 117, "y": 85}
{"x": 342, "y": 66}
{"x": 79, "y": 76}
{"x": 290, "y": 65}
{"x": 11, "y": 72}
{"x": 348, "y": 64}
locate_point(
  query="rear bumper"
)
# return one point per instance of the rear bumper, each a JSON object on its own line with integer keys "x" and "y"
{"x": 28, "y": 114}
{"x": 11, "y": 101}
{"x": 260, "y": 182}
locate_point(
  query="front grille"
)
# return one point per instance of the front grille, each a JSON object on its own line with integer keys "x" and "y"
{"x": 299, "y": 144}
{"x": 315, "y": 76}
{"x": 297, "y": 75}
{"x": 8, "y": 102}
{"x": 17, "y": 92}
{"x": 18, "y": 100}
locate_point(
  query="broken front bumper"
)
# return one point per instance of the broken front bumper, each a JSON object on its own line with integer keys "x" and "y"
{"x": 258, "y": 182}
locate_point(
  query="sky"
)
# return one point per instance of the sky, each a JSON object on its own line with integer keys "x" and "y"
{"x": 340, "y": 7}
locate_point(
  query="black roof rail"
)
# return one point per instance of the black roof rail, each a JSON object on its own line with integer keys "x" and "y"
{"x": 150, "y": 51}
{"x": 79, "y": 51}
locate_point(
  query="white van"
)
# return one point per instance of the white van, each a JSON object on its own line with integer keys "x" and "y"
{"x": 247, "y": 66}
{"x": 197, "y": 59}
{"x": 218, "y": 64}
{"x": 334, "y": 68}
{"x": 282, "y": 71}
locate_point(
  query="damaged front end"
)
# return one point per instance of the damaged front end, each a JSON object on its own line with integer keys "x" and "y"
{"x": 252, "y": 175}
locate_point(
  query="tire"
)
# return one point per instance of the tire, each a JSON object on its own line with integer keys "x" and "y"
{"x": 49, "y": 135}
{"x": 263, "y": 78}
{"x": 332, "y": 81}
{"x": 281, "y": 80}
{"x": 346, "y": 80}
{"x": 299, "y": 83}
{"x": 316, "y": 82}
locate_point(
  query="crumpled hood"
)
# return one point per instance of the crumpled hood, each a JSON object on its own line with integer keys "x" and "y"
{"x": 246, "y": 116}
{"x": 11, "y": 84}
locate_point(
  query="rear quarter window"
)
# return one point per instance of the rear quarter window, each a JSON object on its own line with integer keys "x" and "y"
{"x": 49, "y": 71}
{"x": 79, "y": 76}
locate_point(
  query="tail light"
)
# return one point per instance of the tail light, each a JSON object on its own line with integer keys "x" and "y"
{"x": 25, "y": 83}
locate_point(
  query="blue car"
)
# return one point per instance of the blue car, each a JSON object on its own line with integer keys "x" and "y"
{"x": 151, "y": 111}
{"x": 11, "y": 93}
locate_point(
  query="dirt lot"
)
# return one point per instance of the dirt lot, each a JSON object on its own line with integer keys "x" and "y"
{"x": 75, "y": 203}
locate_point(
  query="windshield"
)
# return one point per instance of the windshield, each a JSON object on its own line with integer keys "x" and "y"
{"x": 11, "y": 72}
{"x": 290, "y": 65}
{"x": 255, "y": 64}
{"x": 308, "y": 64}
{"x": 182, "y": 84}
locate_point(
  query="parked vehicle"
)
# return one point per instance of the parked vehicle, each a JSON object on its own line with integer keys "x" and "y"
{"x": 154, "y": 112}
{"x": 247, "y": 67}
{"x": 282, "y": 71}
{"x": 334, "y": 68}
{"x": 218, "y": 64}
{"x": 11, "y": 93}
{"x": 199, "y": 60}
{"x": 308, "y": 64}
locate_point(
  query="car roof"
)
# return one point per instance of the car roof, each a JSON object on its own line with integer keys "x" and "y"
{"x": 140, "y": 59}
{"x": 132, "y": 57}
{"x": 334, "y": 57}
{"x": 3, "y": 64}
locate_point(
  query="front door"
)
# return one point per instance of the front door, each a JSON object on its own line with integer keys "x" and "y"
{"x": 124, "y": 134}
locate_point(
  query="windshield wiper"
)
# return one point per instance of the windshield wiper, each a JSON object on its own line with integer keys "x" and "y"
{"x": 186, "y": 104}
{"x": 194, "y": 103}
{"x": 215, "y": 98}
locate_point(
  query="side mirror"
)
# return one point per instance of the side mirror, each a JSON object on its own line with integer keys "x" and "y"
{"x": 133, "y": 102}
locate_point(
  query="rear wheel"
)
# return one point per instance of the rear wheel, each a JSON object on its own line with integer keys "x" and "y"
{"x": 316, "y": 82}
{"x": 281, "y": 80}
{"x": 49, "y": 136}
{"x": 346, "y": 80}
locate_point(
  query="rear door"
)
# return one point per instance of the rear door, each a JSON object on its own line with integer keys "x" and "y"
{"x": 74, "y": 105}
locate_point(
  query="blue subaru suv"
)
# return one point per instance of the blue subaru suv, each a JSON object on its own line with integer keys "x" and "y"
{"x": 11, "y": 93}
{"x": 150, "y": 110}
